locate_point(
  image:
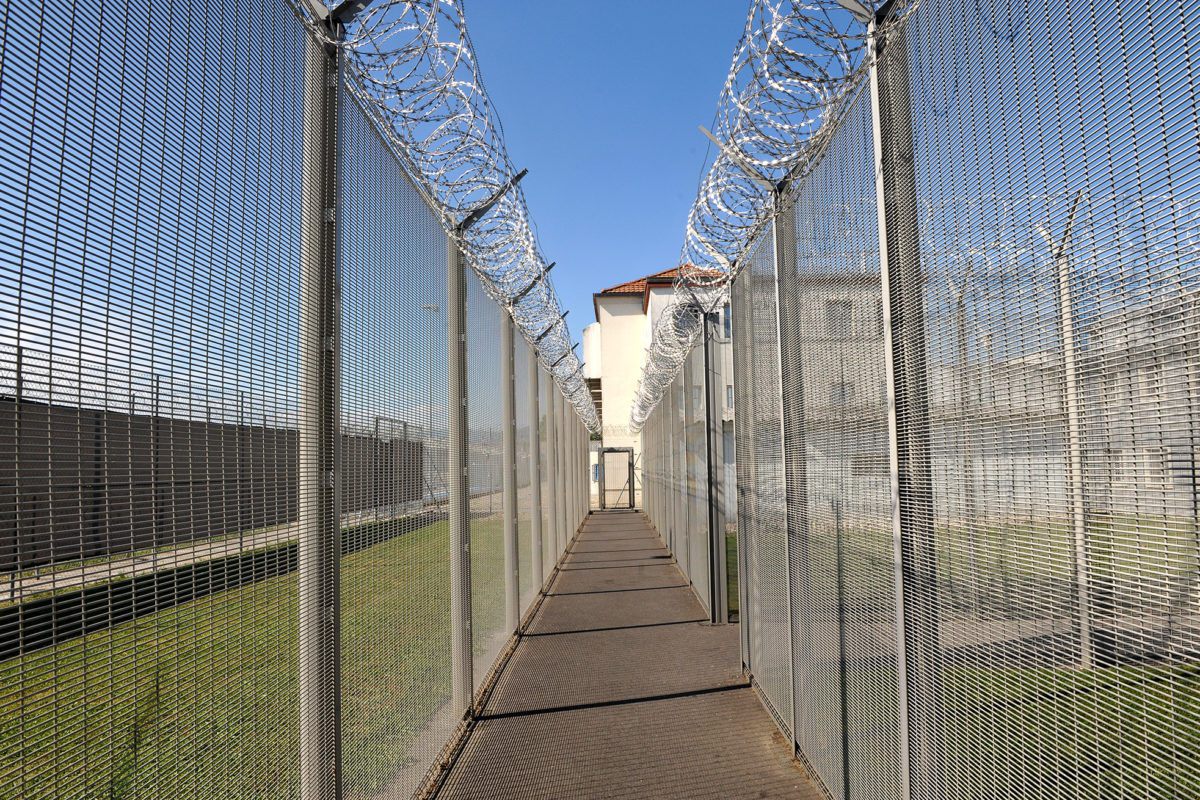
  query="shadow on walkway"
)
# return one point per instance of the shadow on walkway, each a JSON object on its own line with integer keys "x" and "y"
{"x": 620, "y": 688}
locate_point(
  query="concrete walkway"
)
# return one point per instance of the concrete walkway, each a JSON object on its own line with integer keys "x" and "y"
{"x": 620, "y": 688}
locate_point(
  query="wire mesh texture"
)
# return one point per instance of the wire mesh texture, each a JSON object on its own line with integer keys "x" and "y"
{"x": 224, "y": 451}
{"x": 485, "y": 425}
{"x": 966, "y": 376}
{"x": 395, "y": 646}
{"x": 528, "y": 584}
{"x": 148, "y": 366}
{"x": 617, "y": 476}
{"x": 684, "y": 476}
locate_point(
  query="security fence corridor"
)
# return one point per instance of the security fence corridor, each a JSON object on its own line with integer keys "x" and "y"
{"x": 294, "y": 440}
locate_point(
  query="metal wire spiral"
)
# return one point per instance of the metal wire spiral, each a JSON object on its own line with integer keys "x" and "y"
{"x": 413, "y": 64}
{"x": 796, "y": 65}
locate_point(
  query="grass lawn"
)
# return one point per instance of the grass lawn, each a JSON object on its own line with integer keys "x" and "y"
{"x": 202, "y": 698}
{"x": 731, "y": 573}
{"x": 1125, "y": 732}
{"x": 1036, "y": 729}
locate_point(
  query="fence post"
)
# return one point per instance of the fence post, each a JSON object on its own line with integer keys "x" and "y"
{"x": 318, "y": 523}
{"x": 462, "y": 679}
{"x": 671, "y": 442}
{"x": 508, "y": 385}
{"x": 783, "y": 242}
{"x": 578, "y": 489}
{"x": 918, "y": 654}
{"x": 717, "y": 581}
{"x": 678, "y": 480}
{"x": 535, "y": 472}
{"x": 1072, "y": 397}
{"x": 741, "y": 430}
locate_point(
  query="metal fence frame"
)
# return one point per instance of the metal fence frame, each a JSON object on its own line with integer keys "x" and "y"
{"x": 603, "y": 477}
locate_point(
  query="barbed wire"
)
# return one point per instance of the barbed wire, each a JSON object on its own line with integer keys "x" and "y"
{"x": 413, "y": 64}
{"x": 797, "y": 65}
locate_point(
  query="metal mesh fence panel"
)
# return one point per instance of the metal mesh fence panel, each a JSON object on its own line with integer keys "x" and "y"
{"x": 1028, "y": 518}
{"x": 549, "y": 525}
{"x": 148, "y": 377}
{"x": 839, "y": 492}
{"x": 679, "y": 471}
{"x": 395, "y": 565}
{"x": 770, "y": 621}
{"x": 1059, "y": 266}
{"x": 224, "y": 444}
{"x": 525, "y": 511}
{"x": 485, "y": 423}
{"x": 696, "y": 478}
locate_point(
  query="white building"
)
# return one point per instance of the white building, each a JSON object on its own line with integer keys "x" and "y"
{"x": 615, "y": 348}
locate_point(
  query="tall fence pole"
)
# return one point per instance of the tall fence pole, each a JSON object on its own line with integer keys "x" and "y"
{"x": 918, "y": 646}
{"x": 462, "y": 680}
{"x": 508, "y": 385}
{"x": 795, "y": 513}
{"x": 1072, "y": 398}
{"x": 575, "y": 470}
{"x": 671, "y": 442}
{"x": 535, "y": 472}
{"x": 318, "y": 538}
{"x": 679, "y": 478}
{"x": 717, "y": 583}
{"x": 741, "y": 333}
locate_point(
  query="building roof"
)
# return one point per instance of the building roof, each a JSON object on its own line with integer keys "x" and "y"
{"x": 639, "y": 287}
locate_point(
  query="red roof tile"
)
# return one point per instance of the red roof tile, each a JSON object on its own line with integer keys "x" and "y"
{"x": 639, "y": 285}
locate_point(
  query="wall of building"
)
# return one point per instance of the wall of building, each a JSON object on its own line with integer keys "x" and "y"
{"x": 622, "y": 344}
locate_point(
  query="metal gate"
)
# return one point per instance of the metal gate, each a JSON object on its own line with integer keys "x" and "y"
{"x": 616, "y": 477}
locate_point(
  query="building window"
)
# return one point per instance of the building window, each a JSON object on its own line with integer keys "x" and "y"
{"x": 837, "y": 318}
{"x": 727, "y": 327}
{"x": 841, "y": 394}
{"x": 729, "y": 395}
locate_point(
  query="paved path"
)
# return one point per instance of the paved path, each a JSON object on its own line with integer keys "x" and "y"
{"x": 620, "y": 689}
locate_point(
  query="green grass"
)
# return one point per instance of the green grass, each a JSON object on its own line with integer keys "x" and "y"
{"x": 202, "y": 698}
{"x": 1127, "y": 732}
{"x": 731, "y": 572}
{"x": 1034, "y": 730}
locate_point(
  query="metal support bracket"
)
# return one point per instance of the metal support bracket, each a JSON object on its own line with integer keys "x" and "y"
{"x": 519, "y": 296}
{"x": 473, "y": 217}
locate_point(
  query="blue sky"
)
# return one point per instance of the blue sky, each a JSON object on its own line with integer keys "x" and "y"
{"x": 600, "y": 102}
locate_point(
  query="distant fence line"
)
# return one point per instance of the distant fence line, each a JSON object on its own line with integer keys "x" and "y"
{"x": 79, "y": 483}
